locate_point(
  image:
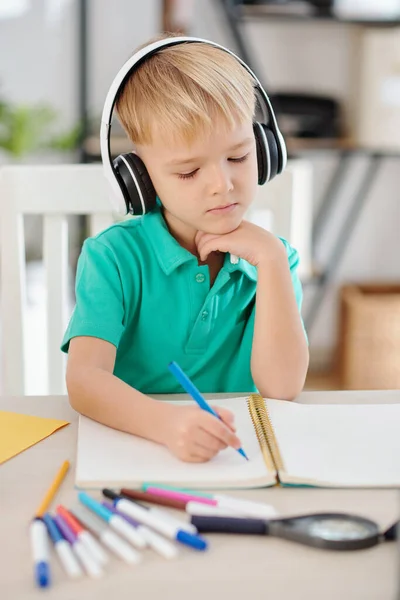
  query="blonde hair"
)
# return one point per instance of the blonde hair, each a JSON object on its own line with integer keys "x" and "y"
{"x": 181, "y": 89}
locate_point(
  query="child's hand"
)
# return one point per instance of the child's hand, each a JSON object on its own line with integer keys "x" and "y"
{"x": 195, "y": 435}
{"x": 249, "y": 241}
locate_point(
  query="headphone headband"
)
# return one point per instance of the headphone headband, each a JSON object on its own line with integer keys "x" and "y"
{"x": 129, "y": 66}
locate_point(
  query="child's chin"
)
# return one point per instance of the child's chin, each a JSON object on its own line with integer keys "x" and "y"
{"x": 225, "y": 227}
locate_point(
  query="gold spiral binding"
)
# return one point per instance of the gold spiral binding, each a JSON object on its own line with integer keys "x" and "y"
{"x": 265, "y": 433}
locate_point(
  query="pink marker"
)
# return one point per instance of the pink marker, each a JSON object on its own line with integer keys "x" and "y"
{"x": 246, "y": 508}
{"x": 182, "y": 496}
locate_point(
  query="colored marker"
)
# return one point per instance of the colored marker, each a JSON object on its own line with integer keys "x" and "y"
{"x": 84, "y": 535}
{"x": 38, "y": 531}
{"x": 115, "y": 521}
{"x": 163, "y": 486}
{"x": 181, "y": 496}
{"x": 40, "y": 551}
{"x": 146, "y": 497}
{"x": 110, "y": 539}
{"x": 51, "y": 492}
{"x": 191, "y": 389}
{"x": 62, "y": 548}
{"x": 155, "y": 541}
{"x": 155, "y": 510}
{"x": 157, "y": 522}
{"x": 89, "y": 563}
{"x": 243, "y": 507}
{"x": 198, "y": 508}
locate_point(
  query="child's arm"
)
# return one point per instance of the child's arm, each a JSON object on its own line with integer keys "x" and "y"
{"x": 279, "y": 357}
{"x": 190, "y": 433}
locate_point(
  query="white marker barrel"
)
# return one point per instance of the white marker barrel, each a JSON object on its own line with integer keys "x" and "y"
{"x": 39, "y": 541}
{"x": 120, "y": 548}
{"x": 90, "y": 565}
{"x": 90, "y": 542}
{"x": 68, "y": 559}
{"x": 127, "y": 531}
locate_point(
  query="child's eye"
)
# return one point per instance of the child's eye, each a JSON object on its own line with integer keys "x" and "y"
{"x": 240, "y": 158}
{"x": 187, "y": 175}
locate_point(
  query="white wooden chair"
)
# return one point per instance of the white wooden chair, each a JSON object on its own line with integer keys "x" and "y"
{"x": 55, "y": 192}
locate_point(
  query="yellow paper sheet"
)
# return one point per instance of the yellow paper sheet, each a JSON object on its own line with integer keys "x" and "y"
{"x": 19, "y": 432}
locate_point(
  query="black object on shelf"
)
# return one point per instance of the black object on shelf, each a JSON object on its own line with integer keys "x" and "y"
{"x": 307, "y": 115}
{"x": 323, "y": 7}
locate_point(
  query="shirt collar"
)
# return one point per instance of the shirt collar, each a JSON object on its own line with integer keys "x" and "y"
{"x": 170, "y": 254}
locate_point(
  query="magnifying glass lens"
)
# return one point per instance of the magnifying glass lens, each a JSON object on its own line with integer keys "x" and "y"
{"x": 339, "y": 529}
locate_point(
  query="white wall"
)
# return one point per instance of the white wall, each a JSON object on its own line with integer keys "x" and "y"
{"x": 39, "y": 50}
{"x": 38, "y": 57}
{"x": 38, "y": 62}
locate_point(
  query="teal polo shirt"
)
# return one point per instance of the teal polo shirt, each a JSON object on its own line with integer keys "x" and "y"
{"x": 138, "y": 289}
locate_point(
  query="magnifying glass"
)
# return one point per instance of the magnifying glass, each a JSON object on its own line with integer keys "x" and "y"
{"x": 332, "y": 531}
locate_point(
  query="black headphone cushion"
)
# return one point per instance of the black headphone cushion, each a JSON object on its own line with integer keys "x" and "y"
{"x": 267, "y": 152}
{"x": 135, "y": 183}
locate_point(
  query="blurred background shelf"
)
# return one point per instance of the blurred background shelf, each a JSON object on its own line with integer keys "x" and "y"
{"x": 301, "y": 12}
{"x": 120, "y": 144}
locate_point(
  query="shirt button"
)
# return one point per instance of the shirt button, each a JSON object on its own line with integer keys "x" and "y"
{"x": 200, "y": 278}
{"x": 204, "y": 315}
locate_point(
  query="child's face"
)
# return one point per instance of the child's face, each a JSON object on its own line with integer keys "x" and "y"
{"x": 207, "y": 185}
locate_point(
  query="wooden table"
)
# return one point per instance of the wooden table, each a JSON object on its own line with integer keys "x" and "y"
{"x": 240, "y": 567}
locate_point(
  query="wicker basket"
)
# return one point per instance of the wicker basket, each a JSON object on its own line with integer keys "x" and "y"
{"x": 369, "y": 337}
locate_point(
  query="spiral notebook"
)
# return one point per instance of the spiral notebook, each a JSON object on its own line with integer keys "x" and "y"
{"x": 287, "y": 443}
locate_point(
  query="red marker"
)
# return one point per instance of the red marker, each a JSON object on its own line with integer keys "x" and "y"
{"x": 87, "y": 539}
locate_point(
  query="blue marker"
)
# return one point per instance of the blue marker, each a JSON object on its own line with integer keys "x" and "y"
{"x": 191, "y": 389}
{"x": 63, "y": 548}
{"x": 157, "y": 521}
{"x": 40, "y": 552}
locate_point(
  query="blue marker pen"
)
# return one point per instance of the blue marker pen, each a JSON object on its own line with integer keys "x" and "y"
{"x": 40, "y": 552}
{"x": 156, "y": 521}
{"x": 63, "y": 548}
{"x": 191, "y": 389}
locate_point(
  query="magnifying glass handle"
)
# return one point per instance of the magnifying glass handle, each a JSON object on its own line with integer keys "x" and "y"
{"x": 209, "y": 524}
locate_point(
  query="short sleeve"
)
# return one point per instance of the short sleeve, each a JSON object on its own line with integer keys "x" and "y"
{"x": 293, "y": 258}
{"x": 99, "y": 309}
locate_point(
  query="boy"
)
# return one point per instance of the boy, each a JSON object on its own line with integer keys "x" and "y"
{"x": 162, "y": 287}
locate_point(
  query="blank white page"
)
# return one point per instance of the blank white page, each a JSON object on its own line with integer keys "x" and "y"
{"x": 338, "y": 445}
{"x": 109, "y": 458}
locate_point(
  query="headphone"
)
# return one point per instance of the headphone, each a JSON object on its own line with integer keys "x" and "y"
{"x": 132, "y": 189}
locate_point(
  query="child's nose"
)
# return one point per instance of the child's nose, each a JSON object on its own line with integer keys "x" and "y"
{"x": 220, "y": 181}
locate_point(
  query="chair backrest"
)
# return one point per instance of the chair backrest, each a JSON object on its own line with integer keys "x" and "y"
{"x": 55, "y": 192}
